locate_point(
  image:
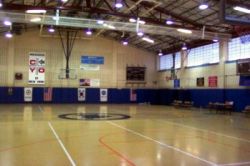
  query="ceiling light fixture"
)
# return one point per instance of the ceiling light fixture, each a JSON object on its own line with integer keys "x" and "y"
{"x": 51, "y": 29}
{"x": 203, "y": 6}
{"x": 184, "y": 47}
{"x": 169, "y": 22}
{"x": 100, "y": 21}
{"x": 133, "y": 20}
{"x": 140, "y": 33}
{"x": 7, "y": 23}
{"x": 1, "y": 4}
{"x": 64, "y": 1}
{"x": 148, "y": 40}
{"x": 160, "y": 53}
{"x": 8, "y": 35}
{"x": 118, "y": 4}
{"x": 125, "y": 43}
{"x": 242, "y": 9}
{"x": 88, "y": 32}
{"x": 215, "y": 40}
{"x": 184, "y": 31}
{"x": 36, "y": 11}
{"x": 35, "y": 19}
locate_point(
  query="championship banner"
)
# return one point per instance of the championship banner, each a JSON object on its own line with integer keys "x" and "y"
{"x": 28, "y": 94}
{"x": 36, "y": 68}
{"x": 133, "y": 95}
{"x": 212, "y": 81}
{"x": 47, "y": 94}
{"x": 177, "y": 83}
{"x": 103, "y": 95}
{"x": 91, "y": 62}
{"x": 81, "y": 94}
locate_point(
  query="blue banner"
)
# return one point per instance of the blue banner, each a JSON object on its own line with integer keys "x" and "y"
{"x": 176, "y": 83}
{"x": 97, "y": 60}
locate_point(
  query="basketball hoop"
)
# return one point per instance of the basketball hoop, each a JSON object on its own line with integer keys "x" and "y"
{"x": 243, "y": 32}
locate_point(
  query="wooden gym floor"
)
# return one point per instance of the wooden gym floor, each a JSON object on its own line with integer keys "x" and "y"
{"x": 33, "y": 135}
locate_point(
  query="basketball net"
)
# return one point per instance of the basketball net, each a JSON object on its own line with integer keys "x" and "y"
{"x": 244, "y": 33}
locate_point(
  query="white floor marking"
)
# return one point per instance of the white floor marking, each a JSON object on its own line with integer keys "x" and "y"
{"x": 40, "y": 109}
{"x": 63, "y": 147}
{"x": 213, "y": 132}
{"x": 236, "y": 164}
{"x": 163, "y": 144}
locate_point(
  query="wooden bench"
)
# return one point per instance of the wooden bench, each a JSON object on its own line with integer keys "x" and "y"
{"x": 179, "y": 103}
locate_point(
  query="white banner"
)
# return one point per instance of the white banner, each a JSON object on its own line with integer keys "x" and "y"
{"x": 28, "y": 94}
{"x": 36, "y": 68}
{"x": 103, "y": 95}
{"x": 90, "y": 67}
{"x": 81, "y": 94}
{"x": 95, "y": 82}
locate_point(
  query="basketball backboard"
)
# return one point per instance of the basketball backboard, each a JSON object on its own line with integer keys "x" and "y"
{"x": 235, "y": 12}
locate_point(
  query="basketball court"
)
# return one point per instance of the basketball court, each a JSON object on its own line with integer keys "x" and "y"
{"x": 153, "y": 135}
{"x": 125, "y": 83}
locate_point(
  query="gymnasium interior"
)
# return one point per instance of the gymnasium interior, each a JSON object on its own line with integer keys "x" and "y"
{"x": 124, "y": 83}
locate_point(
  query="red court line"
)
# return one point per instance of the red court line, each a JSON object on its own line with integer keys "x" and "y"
{"x": 114, "y": 151}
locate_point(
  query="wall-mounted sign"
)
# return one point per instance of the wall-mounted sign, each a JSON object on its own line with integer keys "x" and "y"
{"x": 200, "y": 82}
{"x": 36, "y": 68}
{"x": 212, "y": 81}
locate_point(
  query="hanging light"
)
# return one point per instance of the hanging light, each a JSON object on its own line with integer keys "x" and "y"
{"x": 7, "y": 23}
{"x": 169, "y": 21}
{"x": 51, "y": 29}
{"x": 88, "y": 32}
{"x": 133, "y": 20}
{"x": 160, "y": 53}
{"x": 184, "y": 47}
{"x": 64, "y": 1}
{"x": 118, "y": 4}
{"x": 125, "y": 42}
{"x": 140, "y": 33}
{"x": 187, "y": 31}
{"x": 1, "y": 4}
{"x": 8, "y": 35}
{"x": 203, "y": 6}
{"x": 100, "y": 21}
{"x": 215, "y": 40}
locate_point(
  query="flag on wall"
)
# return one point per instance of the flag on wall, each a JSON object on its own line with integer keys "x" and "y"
{"x": 27, "y": 94}
{"x": 47, "y": 94}
{"x": 103, "y": 95}
{"x": 133, "y": 95}
{"x": 81, "y": 94}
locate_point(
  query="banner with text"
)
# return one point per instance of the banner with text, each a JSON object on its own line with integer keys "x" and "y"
{"x": 133, "y": 95}
{"x": 91, "y": 62}
{"x": 81, "y": 94}
{"x": 103, "y": 95}
{"x": 28, "y": 94}
{"x": 36, "y": 68}
{"x": 212, "y": 81}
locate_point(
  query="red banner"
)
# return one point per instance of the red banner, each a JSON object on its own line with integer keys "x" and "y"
{"x": 212, "y": 81}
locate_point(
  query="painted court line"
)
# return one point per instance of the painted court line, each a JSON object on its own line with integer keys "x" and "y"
{"x": 40, "y": 109}
{"x": 213, "y": 132}
{"x": 236, "y": 164}
{"x": 163, "y": 144}
{"x": 61, "y": 144}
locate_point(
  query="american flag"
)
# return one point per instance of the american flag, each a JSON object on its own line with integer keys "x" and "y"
{"x": 47, "y": 95}
{"x": 133, "y": 95}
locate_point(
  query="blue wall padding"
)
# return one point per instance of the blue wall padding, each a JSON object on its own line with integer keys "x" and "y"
{"x": 200, "y": 97}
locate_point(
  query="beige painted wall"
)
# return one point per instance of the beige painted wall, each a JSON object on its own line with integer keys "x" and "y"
{"x": 14, "y": 58}
{"x": 226, "y": 73}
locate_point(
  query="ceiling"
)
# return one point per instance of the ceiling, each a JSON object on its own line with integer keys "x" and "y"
{"x": 185, "y": 14}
